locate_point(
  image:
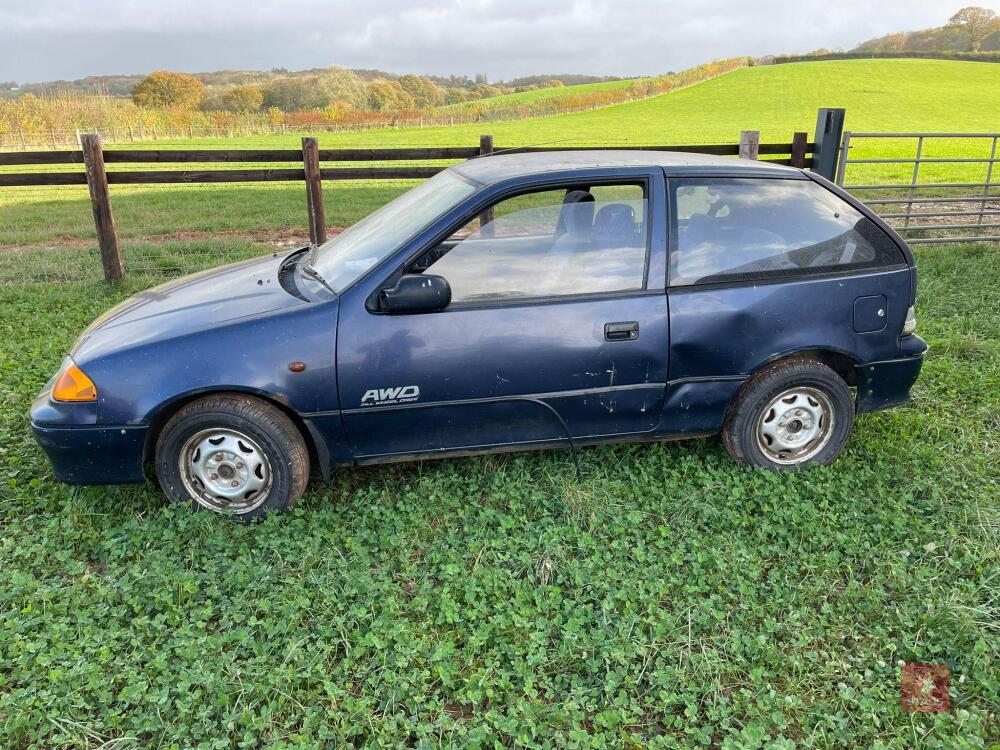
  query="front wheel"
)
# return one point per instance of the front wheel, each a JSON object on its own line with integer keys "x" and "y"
{"x": 790, "y": 415}
{"x": 232, "y": 454}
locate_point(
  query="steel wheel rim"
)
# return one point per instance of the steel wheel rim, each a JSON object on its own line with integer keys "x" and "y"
{"x": 225, "y": 471}
{"x": 795, "y": 426}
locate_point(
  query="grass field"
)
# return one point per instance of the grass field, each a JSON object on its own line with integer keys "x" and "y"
{"x": 777, "y": 100}
{"x": 669, "y": 599}
{"x": 528, "y": 97}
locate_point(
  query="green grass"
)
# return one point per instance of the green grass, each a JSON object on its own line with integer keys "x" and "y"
{"x": 881, "y": 95}
{"x": 529, "y": 97}
{"x": 669, "y": 599}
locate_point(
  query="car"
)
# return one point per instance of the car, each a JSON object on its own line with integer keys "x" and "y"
{"x": 509, "y": 302}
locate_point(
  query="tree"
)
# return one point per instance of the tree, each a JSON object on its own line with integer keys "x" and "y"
{"x": 388, "y": 96}
{"x": 242, "y": 99}
{"x": 342, "y": 89}
{"x": 991, "y": 43}
{"x": 888, "y": 43}
{"x": 974, "y": 24}
{"x": 455, "y": 95}
{"x": 164, "y": 88}
{"x": 294, "y": 94}
{"x": 424, "y": 91}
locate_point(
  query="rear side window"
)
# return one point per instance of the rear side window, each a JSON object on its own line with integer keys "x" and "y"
{"x": 745, "y": 229}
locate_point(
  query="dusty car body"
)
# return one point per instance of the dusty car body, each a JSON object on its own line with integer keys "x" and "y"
{"x": 510, "y": 302}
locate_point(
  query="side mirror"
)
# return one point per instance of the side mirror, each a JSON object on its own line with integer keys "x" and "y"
{"x": 416, "y": 293}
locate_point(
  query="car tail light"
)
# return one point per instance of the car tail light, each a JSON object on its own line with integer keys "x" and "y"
{"x": 910, "y": 324}
{"x": 72, "y": 384}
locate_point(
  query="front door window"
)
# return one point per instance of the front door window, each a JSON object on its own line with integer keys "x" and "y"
{"x": 569, "y": 241}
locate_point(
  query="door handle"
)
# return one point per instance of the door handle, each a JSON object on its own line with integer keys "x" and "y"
{"x": 628, "y": 331}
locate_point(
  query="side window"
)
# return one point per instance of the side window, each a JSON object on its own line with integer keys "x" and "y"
{"x": 577, "y": 239}
{"x": 744, "y": 229}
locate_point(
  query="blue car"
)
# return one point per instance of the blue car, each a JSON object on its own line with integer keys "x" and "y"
{"x": 510, "y": 302}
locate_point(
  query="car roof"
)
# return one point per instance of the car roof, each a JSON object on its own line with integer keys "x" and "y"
{"x": 498, "y": 167}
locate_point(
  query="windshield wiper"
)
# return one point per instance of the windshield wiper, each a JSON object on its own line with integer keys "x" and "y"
{"x": 308, "y": 270}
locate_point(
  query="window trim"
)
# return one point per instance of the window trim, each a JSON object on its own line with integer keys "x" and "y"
{"x": 768, "y": 277}
{"x": 643, "y": 179}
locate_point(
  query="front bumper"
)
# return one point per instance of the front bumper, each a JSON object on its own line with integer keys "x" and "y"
{"x": 82, "y": 452}
{"x": 888, "y": 383}
{"x": 94, "y": 455}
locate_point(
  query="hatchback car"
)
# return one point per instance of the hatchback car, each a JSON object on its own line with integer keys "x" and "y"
{"x": 509, "y": 302}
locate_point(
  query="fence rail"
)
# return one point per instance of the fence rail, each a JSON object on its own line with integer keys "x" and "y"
{"x": 903, "y": 222}
{"x": 799, "y": 152}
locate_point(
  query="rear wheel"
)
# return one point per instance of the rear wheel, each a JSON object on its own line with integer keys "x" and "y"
{"x": 232, "y": 454}
{"x": 790, "y": 415}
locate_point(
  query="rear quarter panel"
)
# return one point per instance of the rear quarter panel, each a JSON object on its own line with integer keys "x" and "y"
{"x": 730, "y": 331}
{"x": 720, "y": 336}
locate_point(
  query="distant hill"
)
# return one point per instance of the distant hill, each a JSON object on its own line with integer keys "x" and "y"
{"x": 122, "y": 85}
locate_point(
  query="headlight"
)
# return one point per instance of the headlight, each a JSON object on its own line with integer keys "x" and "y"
{"x": 910, "y": 324}
{"x": 72, "y": 384}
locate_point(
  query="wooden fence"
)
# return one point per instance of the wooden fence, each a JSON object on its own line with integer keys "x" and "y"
{"x": 798, "y": 152}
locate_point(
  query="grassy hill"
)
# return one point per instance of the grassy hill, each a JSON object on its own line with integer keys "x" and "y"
{"x": 528, "y": 97}
{"x": 939, "y": 95}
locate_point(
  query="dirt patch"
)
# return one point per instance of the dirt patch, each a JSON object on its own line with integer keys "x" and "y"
{"x": 283, "y": 237}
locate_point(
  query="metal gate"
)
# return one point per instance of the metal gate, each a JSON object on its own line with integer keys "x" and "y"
{"x": 942, "y": 193}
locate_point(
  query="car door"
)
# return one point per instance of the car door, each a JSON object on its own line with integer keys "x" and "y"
{"x": 555, "y": 324}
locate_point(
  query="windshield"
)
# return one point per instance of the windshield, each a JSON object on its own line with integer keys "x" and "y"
{"x": 357, "y": 249}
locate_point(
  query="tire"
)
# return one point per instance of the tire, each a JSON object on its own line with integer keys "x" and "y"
{"x": 790, "y": 415}
{"x": 232, "y": 454}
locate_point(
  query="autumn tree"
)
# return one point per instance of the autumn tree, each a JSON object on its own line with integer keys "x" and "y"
{"x": 388, "y": 96}
{"x": 164, "y": 88}
{"x": 242, "y": 99}
{"x": 342, "y": 88}
{"x": 293, "y": 94}
{"x": 991, "y": 43}
{"x": 455, "y": 95}
{"x": 424, "y": 91}
{"x": 974, "y": 24}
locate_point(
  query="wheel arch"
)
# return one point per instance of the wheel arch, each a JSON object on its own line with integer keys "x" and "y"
{"x": 838, "y": 360}
{"x": 158, "y": 418}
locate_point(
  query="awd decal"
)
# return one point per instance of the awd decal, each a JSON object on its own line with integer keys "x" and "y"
{"x": 398, "y": 395}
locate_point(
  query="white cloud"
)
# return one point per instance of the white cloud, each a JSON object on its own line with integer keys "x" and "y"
{"x": 48, "y": 39}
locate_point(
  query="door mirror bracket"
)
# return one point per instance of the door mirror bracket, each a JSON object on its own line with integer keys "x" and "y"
{"x": 416, "y": 293}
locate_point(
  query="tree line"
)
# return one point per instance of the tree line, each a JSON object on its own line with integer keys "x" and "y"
{"x": 330, "y": 98}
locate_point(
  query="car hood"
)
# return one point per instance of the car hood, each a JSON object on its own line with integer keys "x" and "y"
{"x": 192, "y": 303}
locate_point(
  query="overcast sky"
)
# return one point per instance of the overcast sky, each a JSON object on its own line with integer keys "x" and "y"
{"x": 51, "y": 39}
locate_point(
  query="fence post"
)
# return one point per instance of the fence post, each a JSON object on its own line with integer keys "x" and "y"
{"x": 486, "y": 228}
{"x": 314, "y": 191}
{"x": 829, "y": 129}
{"x": 800, "y": 142}
{"x": 749, "y": 144}
{"x": 100, "y": 201}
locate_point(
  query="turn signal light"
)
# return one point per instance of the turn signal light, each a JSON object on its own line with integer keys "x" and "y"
{"x": 72, "y": 384}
